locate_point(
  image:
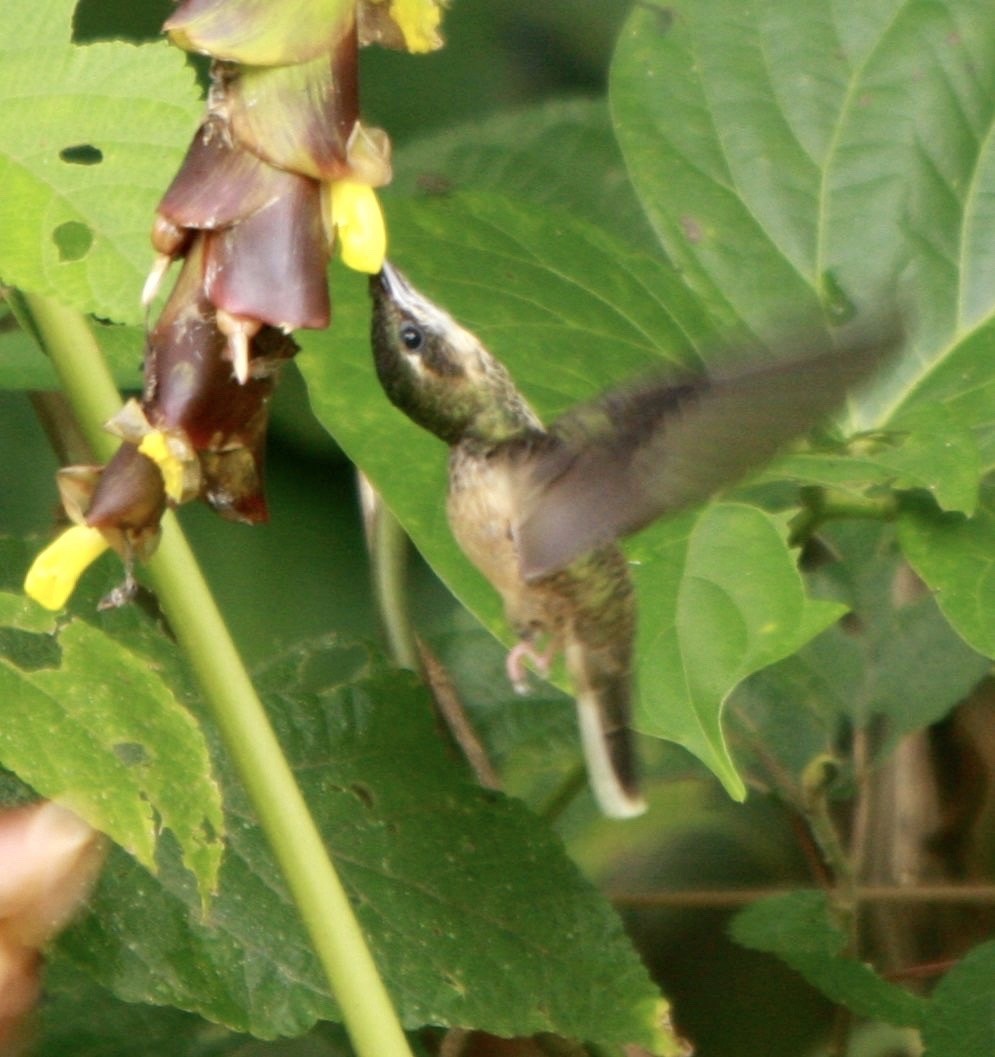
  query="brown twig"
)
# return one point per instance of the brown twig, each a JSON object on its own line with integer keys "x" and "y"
{"x": 713, "y": 898}
{"x": 451, "y": 709}
{"x": 924, "y": 971}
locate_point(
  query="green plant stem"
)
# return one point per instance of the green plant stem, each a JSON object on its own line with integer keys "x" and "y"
{"x": 66, "y": 336}
{"x": 572, "y": 784}
{"x": 820, "y": 505}
{"x": 817, "y": 778}
{"x": 322, "y": 901}
{"x": 311, "y": 877}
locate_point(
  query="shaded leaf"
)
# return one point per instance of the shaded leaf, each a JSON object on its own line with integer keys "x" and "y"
{"x": 531, "y": 740}
{"x": 101, "y": 732}
{"x": 895, "y": 658}
{"x": 955, "y": 555}
{"x": 783, "y": 153}
{"x": 799, "y": 929}
{"x": 959, "y": 1021}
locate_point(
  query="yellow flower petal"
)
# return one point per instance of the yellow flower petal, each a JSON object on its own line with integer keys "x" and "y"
{"x": 54, "y": 573}
{"x": 155, "y": 446}
{"x": 419, "y": 21}
{"x": 359, "y": 222}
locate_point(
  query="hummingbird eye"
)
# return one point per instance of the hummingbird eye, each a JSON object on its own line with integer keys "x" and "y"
{"x": 411, "y": 337}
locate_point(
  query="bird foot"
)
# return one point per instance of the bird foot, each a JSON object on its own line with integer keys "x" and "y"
{"x": 515, "y": 664}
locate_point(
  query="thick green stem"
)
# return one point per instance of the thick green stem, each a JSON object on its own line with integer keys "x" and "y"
{"x": 283, "y": 814}
{"x": 311, "y": 877}
{"x": 820, "y": 505}
{"x": 66, "y": 336}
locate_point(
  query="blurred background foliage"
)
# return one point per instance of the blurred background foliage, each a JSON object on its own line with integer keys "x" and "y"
{"x": 305, "y": 573}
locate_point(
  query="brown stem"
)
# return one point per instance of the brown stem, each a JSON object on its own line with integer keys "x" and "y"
{"x": 61, "y": 428}
{"x": 944, "y": 894}
{"x": 925, "y": 971}
{"x": 451, "y": 709}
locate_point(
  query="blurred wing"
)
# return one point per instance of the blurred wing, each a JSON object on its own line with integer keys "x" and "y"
{"x": 608, "y": 468}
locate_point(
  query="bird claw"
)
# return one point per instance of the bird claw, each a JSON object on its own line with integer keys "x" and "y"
{"x": 515, "y": 664}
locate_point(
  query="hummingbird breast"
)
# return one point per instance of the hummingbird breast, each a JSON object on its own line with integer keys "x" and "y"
{"x": 482, "y": 513}
{"x": 593, "y": 596}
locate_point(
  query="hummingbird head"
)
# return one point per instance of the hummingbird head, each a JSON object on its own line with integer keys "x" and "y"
{"x": 437, "y": 372}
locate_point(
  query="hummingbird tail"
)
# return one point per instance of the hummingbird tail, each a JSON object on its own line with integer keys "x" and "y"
{"x": 602, "y": 714}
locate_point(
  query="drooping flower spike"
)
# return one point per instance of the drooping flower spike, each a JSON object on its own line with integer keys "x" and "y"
{"x": 280, "y": 174}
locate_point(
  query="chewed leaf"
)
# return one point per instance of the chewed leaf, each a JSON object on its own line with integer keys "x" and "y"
{"x": 100, "y": 731}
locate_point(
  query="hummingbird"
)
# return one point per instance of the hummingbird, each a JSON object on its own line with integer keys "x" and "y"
{"x": 539, "y": 510}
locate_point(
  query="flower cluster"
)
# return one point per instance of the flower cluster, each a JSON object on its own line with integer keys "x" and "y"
{"x": 280, "y": 173}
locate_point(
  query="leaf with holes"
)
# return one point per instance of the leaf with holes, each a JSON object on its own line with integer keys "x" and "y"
{"x": 90, "y": 723}
{"x": 88, "y": 136}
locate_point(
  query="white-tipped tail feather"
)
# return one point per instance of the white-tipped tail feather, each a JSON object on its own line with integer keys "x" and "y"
{"x": 612, "y": 797}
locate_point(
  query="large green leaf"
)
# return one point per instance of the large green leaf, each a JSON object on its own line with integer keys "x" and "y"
{"x": 783, "y": 150}
{"x": 88, "y": 722}
{"x": 88, "y": 139}
{"x": 805, "y": 156}
{"x": 438, "y": 870}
